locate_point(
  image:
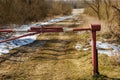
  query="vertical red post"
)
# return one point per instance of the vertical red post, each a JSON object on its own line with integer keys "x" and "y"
{"x": 95, "y": 28}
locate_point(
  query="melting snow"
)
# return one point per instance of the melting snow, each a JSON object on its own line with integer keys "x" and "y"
{"x": 6, "y": 46}
{"x": 107, "y": 48}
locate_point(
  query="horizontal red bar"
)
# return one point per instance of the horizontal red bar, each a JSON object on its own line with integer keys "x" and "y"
{"x": 6, "y": 30}
{"x": 81, "y": 29}
{"x": 45, "y": 28}
{"x": 48, "y": 30}
{"x": 50, "y": 27}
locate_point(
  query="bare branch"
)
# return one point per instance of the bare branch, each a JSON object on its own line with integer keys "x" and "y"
{"x": 116, "y": 8}
{"x": 91, "y": 6}
{"x": 106, "y": 9}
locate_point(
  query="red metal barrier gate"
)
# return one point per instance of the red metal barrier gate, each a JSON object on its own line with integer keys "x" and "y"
{"x": 37, "y": 30}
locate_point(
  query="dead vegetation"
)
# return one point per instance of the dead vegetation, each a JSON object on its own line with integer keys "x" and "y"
{"x": 108, "y": 12}
{"x": 55, "y": 60}
{"x": 54, "y": 57}
{"x": 26, "y": 11}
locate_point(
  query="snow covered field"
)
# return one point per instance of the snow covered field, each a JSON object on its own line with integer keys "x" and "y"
{"x": 107, "y": 48}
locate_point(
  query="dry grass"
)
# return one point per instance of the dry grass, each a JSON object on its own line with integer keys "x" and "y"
{"x": 53, "y": 57}
{"x": 55, "y": 60}
{"x": 93, "y": 20}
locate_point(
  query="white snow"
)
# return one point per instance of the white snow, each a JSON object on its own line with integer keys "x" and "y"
{"x": 78, "y": 11}
{"x": 107, "y": 48}
{"x": 78, "y": 46}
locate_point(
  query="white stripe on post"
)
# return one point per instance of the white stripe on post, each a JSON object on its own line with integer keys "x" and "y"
{"x": 20, "y": 30}
{"x": 67, "y": 29}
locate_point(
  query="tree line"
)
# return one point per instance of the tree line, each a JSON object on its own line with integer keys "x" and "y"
{"x": 25, "y": 11}
{"x": 108, "y": 10}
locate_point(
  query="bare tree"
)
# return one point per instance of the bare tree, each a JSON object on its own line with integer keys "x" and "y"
{"x": 95, "y": 5}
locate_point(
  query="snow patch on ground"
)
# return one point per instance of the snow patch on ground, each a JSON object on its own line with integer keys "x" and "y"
{"x": 107, "y": 48}
{"x": 6, "y": 46}
{"x": 103, "y": 48}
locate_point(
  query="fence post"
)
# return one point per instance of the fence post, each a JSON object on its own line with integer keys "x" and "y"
{"x": 95, "y": 28}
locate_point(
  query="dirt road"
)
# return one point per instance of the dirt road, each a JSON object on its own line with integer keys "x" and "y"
{"x": 51, "y": 57}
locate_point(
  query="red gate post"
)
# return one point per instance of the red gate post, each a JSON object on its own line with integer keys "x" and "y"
{"x": 94, "y": 28}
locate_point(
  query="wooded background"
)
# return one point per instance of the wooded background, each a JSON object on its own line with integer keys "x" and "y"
{"x": 25, "y": 11}
{"x": 107, "y": 11}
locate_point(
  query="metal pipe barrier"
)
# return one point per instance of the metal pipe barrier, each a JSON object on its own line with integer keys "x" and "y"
{"x": 45, "y": 29}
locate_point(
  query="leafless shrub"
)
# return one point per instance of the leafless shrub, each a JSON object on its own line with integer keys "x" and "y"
{"x": 25, "y": 11}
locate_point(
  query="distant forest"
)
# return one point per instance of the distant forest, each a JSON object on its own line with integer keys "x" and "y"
{"x": 25, "y": 11}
